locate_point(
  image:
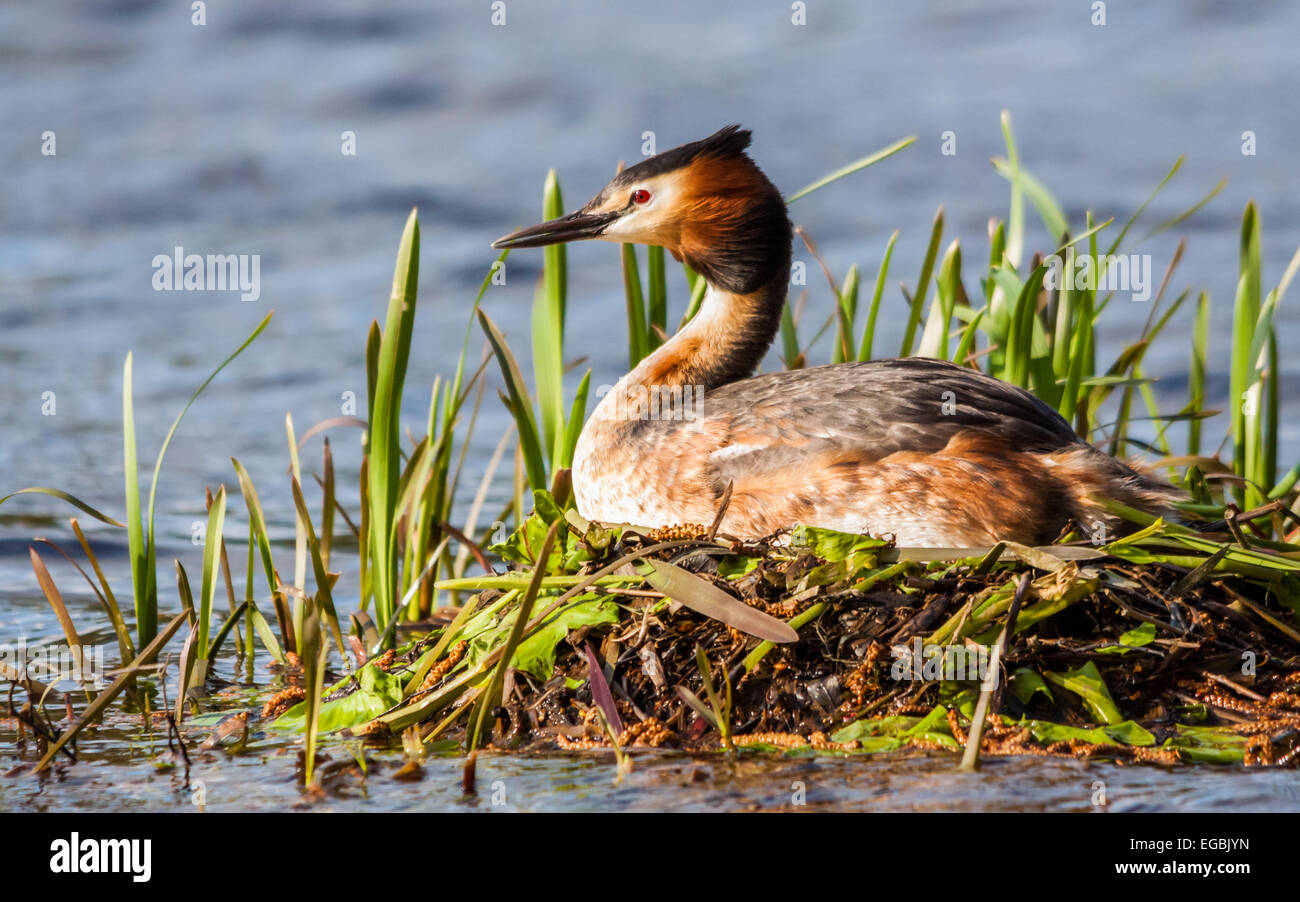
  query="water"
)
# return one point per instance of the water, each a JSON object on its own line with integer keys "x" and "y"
{"x": 225, "y": 138}
{"x": 125, "y": 768}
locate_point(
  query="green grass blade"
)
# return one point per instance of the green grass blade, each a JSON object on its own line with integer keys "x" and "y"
{"x": 657, "y": 295}
{"x": 1015, "y": 233}
{"x": 967, "y": 343}
{"x": 492, "y": 692}
{"x": 520, "y": 405}
{"x": 791, "y": 356}
{"x": 299, "y": 531}
{"x": 258, "y": 523}
{"x": 866, "y": 346}
{"x": 997, "y": 250}
{"x": 211, "y": 554}
{"x": 146, "y": 615}
{"x": 1196, "y": 372}
{"x": 851, "y": 168}
{"x": 384, "y": 439}
{"x": 699, "y": 287}
{"x": 934, "y": 339}
{"x": 150, "y": 545}
{"x": 922, "y": 285}
{"x": 1137, "y": 214}
{"x": 847, "y": 311}
{"x": 71, "y": 499}
{"x": 324, "y": 598}
{"x": 577, "y": 418}
{"x": 548, "y": 329}
{"x": 1049, "y": 210}
{"x": 637, "y": 341}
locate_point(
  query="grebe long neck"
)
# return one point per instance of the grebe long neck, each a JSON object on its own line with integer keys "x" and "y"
{"x": 725, "y": 340}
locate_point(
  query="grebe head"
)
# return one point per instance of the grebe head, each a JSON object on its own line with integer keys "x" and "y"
{"x": 706, "y": 202}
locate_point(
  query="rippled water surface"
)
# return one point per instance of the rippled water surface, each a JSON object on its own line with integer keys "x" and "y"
{"x": 225, "y": 138}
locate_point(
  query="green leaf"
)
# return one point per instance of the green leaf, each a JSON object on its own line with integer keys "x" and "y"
{"x": 522, "y": 546}
{"x": 536, "y": 654}
{"x": 211, "y": 553}
{"x": 706, "y": 598}
{"x": 150, "y": 588}
{"x": 922, "y": 285}
{"x": 490, "y": 696}
{"x": 834, "y": 546}
{"x": 1135, "y": 638}
{"x": 851, "y": 168}
{"x": 865, "y": 347}
{"x": 146, "y": 615}
{"x": 376, "y": 693}
{"x": 548, "y": 330}
{"x": 885, "y": 734}
{"x": 383, "y": 438}
{"x": 520, "y": 404}
{"x": 1026, "y": 683}
{"x": 1049, "y": 211}
{"x": 1209, "y": 745}
{"x": 1124, "y": 732}
{"x": 734, "y": 566}
{"x": 1087, "y": 683}
{"x": 71, "y": 499}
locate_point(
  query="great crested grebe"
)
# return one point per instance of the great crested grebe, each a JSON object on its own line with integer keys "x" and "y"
{"x": 924, "y": 451}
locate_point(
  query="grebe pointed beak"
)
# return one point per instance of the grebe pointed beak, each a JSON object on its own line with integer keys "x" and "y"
{"x": 573, "y": 227}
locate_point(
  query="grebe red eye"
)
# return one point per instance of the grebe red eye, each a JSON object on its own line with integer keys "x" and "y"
{"x": 640, "y": 196}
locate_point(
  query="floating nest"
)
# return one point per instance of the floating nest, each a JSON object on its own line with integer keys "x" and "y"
{"x": 1167, "y": 647}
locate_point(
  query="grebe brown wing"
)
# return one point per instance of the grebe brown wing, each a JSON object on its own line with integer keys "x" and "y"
{"x": 875, "y": 408}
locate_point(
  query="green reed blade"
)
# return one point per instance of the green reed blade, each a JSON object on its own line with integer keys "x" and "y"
{"x": 922, "y": 285}
{"x": 299, "y": 531}
{"x": 577, "y": 418}
{"x": 211, "y": 550}
{"x": 967, "y": 343}
{"x": 519, "y": 404}
{"x": 146, "y": 615}
{"x": 657, "y": 294}
{"x": 491, "y": 696}
{"x": 790, "y": 354}
{"x": 1194, "y": 208}
{"x": 1049, "y": 210}
{"x": 548, "y": 317}
{"x": 847, "y": 312}
{"x": 324, "y": 598}
{"x": 637, "y": 341}
{"x": 71, "y": 499}
{"x": 853, "y": 167}
{"x": 258, "y": 522}
{"x": 934, "y": 338}
{"x": 1015, "y": 233}
{"x": 114, "y": 610}
{"x": 1196, "y": 371}
{"x": 865, "y": 347}
{"x": 384, "y": 440}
